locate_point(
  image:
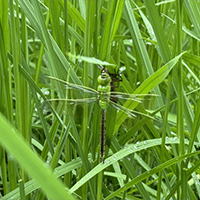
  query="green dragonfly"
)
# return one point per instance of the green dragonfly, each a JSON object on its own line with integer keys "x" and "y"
{"x": 103, "y": 96}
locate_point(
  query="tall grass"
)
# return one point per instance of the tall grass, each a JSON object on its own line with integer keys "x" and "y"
{"x": 52, "y": 150}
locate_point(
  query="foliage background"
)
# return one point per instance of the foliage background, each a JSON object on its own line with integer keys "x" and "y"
{"x": 146, "y": 159}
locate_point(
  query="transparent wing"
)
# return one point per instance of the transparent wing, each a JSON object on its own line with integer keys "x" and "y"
{"x": 60, "y": 104}
{"x": 68, "y": 94}
{"x": 74, "y": 101}
{"x": 131, "y": 113}
{"x": 134, "y": 97}
{"x": 74, "y": 86}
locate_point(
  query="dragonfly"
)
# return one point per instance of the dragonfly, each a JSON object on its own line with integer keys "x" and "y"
{"x": 103, "y": 95}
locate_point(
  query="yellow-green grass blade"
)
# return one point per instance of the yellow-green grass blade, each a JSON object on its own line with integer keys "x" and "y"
{"x": 125, "y": 152}
{"x": 151, "y": 172}
{"x": 148, "y": 85}
{"x": 55, "y": 55}
{"x": 36, "y": 168}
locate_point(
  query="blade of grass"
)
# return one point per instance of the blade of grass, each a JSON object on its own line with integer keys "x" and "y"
{"x": 15, "y": 49}
{"x": 151, "y": 172}
{"x": 180, "y": 108}
{"x": 14, "y": 144}
{"x": 6, "y": 104}
{"x": 125, "y": 152}
{"x": 148, "y": 85}
{"x": 32, "y": 185}
{"x": 155, "y": 20}
{"x": 104, "y": 50}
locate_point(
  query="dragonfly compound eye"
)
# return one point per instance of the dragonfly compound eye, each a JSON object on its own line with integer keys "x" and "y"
{"x": 104, "y": 79}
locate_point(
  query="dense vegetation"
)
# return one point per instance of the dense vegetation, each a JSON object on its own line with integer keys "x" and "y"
{"x": 155, "y": 47}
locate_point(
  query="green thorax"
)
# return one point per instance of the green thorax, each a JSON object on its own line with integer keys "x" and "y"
{"x": 104, "y": 89}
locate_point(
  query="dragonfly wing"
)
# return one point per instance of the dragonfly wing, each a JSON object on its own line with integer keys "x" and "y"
{"x": 74, "y": 86}
{"x": 133, "y": 97}
{"x": 74, "y": 101}
{"x": 131, "y": 113}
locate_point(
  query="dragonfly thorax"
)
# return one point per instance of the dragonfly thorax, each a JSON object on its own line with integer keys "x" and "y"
{"x": 104, "y": 96}
{"x": 104, "y": 89}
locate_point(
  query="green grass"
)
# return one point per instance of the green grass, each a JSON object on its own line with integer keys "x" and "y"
{"x": 51, "y": 150}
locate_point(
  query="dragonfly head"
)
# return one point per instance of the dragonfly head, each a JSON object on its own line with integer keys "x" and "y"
{"x": 104, "y": 79}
